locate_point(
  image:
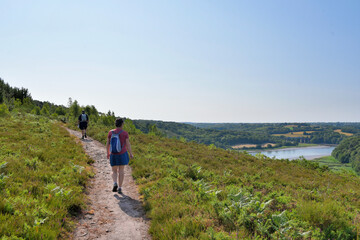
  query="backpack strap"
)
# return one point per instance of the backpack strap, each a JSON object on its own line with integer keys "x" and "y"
{"x": 113, "y": 131}
{"x": 120, "y": 139}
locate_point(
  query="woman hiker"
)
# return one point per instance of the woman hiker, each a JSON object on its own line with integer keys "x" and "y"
{"x": 118, "y": 146}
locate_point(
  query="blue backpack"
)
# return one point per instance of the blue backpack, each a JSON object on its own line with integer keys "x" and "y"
{"x": 83, "y": 117}
{"x": 115, "y": 144}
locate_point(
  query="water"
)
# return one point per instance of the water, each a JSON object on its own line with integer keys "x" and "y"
{"x": 293, "y": 153}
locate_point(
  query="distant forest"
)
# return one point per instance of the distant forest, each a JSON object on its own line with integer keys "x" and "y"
{"x": 318, "y": 133}
{"x": 227, "y": 135}
{"x": 219, "y": 137}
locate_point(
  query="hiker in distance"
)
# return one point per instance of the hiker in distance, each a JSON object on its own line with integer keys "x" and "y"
{"x": 118, "y": 146}
{"x": 83, "y": 122}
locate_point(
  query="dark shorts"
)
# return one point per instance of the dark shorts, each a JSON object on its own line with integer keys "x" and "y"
{"x": 121, "y": 159}
{"x": 83, "y": 125}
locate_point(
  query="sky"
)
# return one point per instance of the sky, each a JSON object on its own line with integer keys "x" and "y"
{"x": 188, "y": 61}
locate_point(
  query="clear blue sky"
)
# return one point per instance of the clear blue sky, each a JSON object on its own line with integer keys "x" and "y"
{"x": 199, "y": 61}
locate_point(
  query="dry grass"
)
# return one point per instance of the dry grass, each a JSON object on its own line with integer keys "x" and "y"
{"x": 240, "y": 146}
{"x": 343, "y": 133}
{"x": 244, "y": 146}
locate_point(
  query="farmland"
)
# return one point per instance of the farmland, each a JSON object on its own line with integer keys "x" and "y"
{"x": 343, "y": 133}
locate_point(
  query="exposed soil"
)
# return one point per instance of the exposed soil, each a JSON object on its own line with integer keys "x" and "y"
{"x": 110, "y": 215}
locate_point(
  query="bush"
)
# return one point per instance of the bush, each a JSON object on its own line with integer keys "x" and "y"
{"x": 4, "y": 111}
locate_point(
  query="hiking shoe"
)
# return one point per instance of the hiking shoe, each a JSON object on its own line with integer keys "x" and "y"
{"x": 115, "y": 188}
{"x": 119, "y": 190}
{"x": 82, "y": 137}
{"x": 85, "y": 135}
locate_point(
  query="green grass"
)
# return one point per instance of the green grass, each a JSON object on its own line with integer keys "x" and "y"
{"x": 194, "y": 191}
{"x": 334, "y": 164}
{"x": 299, "y": 145}
{"x": 43, "y": 174}
{"x": 307, "y": 145}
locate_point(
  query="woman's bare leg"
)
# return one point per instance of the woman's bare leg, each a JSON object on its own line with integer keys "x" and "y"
{"x": 115, "y": 170}
{"x": 121, "y": 174}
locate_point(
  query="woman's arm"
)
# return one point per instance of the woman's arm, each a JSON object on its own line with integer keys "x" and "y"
{"x": 128, "y": 147}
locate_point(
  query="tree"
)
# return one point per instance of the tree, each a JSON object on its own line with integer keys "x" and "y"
{"x": 348, "y": 151}
{"x": 7, "y": 92}
{"x": 17, "y": 103}
{"x": 27, "y": 104}
{"x": 70, "y": 102}
{"x": 36, "y": 110}
{"x": 3, "y": 110}
{"x": 75, "y": 109}
{"x": 45, "y": 110}
{"x": 153, "y": 130}
{"x": 61, "y": 111}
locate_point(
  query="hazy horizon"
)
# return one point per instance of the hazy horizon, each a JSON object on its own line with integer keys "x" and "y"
{"x": 185, "y": 61}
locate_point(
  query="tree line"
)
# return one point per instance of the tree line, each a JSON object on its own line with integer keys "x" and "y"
{"x": 348, "y": 151}
{"x": 13, "y": 99}
{"x": 8, "y": 93}
{"x": 318, "y": 133}
{"x": 220, "y": 138}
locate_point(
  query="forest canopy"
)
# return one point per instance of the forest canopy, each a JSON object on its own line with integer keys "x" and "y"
{"x": 348, "y": 151}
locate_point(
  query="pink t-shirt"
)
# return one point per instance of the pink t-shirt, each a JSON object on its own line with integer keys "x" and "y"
{"x": 123, "y": 136}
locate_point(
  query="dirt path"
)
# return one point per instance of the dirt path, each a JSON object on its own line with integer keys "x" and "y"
{"x": 110, "y": 215}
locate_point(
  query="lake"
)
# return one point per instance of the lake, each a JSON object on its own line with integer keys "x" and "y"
{"x": 292, "y": 153}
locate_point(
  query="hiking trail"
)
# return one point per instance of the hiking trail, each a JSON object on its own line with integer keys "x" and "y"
{"x": 110, "y": 215}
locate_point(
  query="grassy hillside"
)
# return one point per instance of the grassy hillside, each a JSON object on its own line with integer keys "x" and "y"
{"x": 43, "y": 174}
{"x": 334, "y": 164}
{"x": 190, "y": 190}
{"x": 193, "y": 191}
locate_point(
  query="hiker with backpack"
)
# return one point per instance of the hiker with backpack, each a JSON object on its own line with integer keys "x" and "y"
{"x": 118, "y": 150}
{"x": 83, "y": 123}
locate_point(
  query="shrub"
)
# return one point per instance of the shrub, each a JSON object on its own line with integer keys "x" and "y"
{"x": 4, "y": 111}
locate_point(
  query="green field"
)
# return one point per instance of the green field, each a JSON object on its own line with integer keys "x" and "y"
{"x": 334, "y": 164}
{"x": 299, "y": 145}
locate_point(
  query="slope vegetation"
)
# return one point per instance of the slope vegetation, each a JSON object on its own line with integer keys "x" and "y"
{"x": 348, "y": 151}
{"x": 194, "y": 191}
{"x": 190, "y": 190}
{"x": 43, "y": 174}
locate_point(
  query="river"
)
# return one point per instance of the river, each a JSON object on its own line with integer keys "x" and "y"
{"x": 292, "y": 153}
